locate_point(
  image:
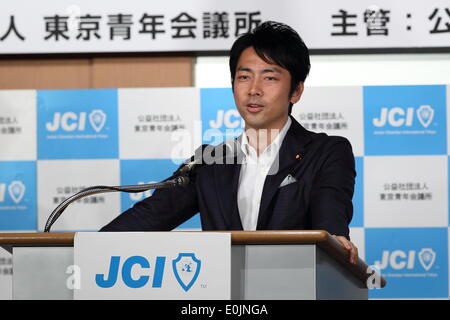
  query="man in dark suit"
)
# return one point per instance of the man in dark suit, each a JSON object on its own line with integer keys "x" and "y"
{"x": 278, "y": 175}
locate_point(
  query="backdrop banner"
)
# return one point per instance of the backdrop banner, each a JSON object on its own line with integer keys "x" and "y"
{"x": 77, "y": 26}
{"x": 57, "y": 142}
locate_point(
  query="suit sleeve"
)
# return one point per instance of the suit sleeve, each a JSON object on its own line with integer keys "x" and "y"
{"x": 163, "y": 211}
{"x": 332, "y": 190}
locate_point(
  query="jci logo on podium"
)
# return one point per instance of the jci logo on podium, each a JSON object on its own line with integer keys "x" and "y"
{"x": 136, "y": 271}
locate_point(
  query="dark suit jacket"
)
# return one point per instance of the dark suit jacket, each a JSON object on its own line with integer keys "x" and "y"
{"x": 321, "y": 198}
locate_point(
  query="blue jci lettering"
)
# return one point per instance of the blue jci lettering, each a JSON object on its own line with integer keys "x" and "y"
{"x": 68, "y": 121}
{"x": 126, "y": 272}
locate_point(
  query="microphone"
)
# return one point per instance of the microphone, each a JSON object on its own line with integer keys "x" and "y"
{"x": 168, "y": 183}
{"x": 223, "y": 153}
{"x": 187, "y": 167}
{"x": 205, "y": 154}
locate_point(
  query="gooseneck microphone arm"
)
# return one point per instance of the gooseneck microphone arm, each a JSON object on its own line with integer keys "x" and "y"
{"x": 178, "y": 180}
{"x": 181, "y": 177}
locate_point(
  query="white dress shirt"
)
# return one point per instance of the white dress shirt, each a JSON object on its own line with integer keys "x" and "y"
{"x": 253, "y": 173}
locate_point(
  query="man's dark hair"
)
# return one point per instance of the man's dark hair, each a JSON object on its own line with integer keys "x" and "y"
{"x": 275, "y": 43}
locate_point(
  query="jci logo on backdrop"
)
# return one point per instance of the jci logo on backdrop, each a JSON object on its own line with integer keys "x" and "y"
{"x": 405, "y": 120}
{"x": 16, "y": 190}
{"x": 18, "y": 195}
{"x": 220, "y": 119}
{"x": 399, "y": 259}
{"x": 77, "y": 124}
{"x": 231, "y": 119}
{"x": 397, "y": 117}
{"x": 71, "y": 121}
{"x": 414, "y": 261}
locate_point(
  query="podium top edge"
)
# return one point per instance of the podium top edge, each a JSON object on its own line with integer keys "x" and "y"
{"x": 37, "y": 238}
{"x": 237, "y": 237}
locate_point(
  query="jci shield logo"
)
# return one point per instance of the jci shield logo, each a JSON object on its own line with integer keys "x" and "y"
{"x": 97, "y": 118}
{"x": 426, "y": 258}
{"x": 186, "y": 268}
{"x": 425, "y": 115}
{"x": 16, "y": 191}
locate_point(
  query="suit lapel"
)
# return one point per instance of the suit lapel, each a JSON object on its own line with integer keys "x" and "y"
{"x": 292, "y": 150}
{"x": 226, "y": 177}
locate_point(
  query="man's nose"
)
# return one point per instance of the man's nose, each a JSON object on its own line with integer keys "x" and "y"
{"x": 255, "y": 88}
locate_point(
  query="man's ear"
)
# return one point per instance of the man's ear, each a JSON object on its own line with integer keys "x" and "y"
{"x": 296, "y": 95}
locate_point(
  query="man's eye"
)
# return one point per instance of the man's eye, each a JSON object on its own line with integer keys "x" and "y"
{"x": 271, "y": 78}
{"x": 242, "y": 77}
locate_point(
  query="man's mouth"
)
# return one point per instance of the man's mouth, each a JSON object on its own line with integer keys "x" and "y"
{"x": 254, "y": 107}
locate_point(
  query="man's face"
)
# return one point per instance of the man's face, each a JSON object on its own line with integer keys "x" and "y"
{"x": 261, "y": 92}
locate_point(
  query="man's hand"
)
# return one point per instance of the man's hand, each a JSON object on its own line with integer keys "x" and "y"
{"x": 350, "y": 247}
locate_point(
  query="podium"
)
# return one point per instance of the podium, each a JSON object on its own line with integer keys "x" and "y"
{"x": 265, "y": 265}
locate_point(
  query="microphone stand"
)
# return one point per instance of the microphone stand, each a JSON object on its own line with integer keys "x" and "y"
{"x": 177, "y": 181}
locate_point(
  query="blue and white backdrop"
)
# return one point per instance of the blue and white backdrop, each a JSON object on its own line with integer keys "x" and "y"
{"x": 57, "y": 142}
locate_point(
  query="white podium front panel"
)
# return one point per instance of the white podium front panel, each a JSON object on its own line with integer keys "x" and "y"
{"x": 153, "y": 265}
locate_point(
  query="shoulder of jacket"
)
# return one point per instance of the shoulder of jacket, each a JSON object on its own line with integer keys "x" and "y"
{"x": 323, "y": 138}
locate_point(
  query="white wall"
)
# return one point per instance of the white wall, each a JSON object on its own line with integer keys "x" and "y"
{"x": 347, "y": 70}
